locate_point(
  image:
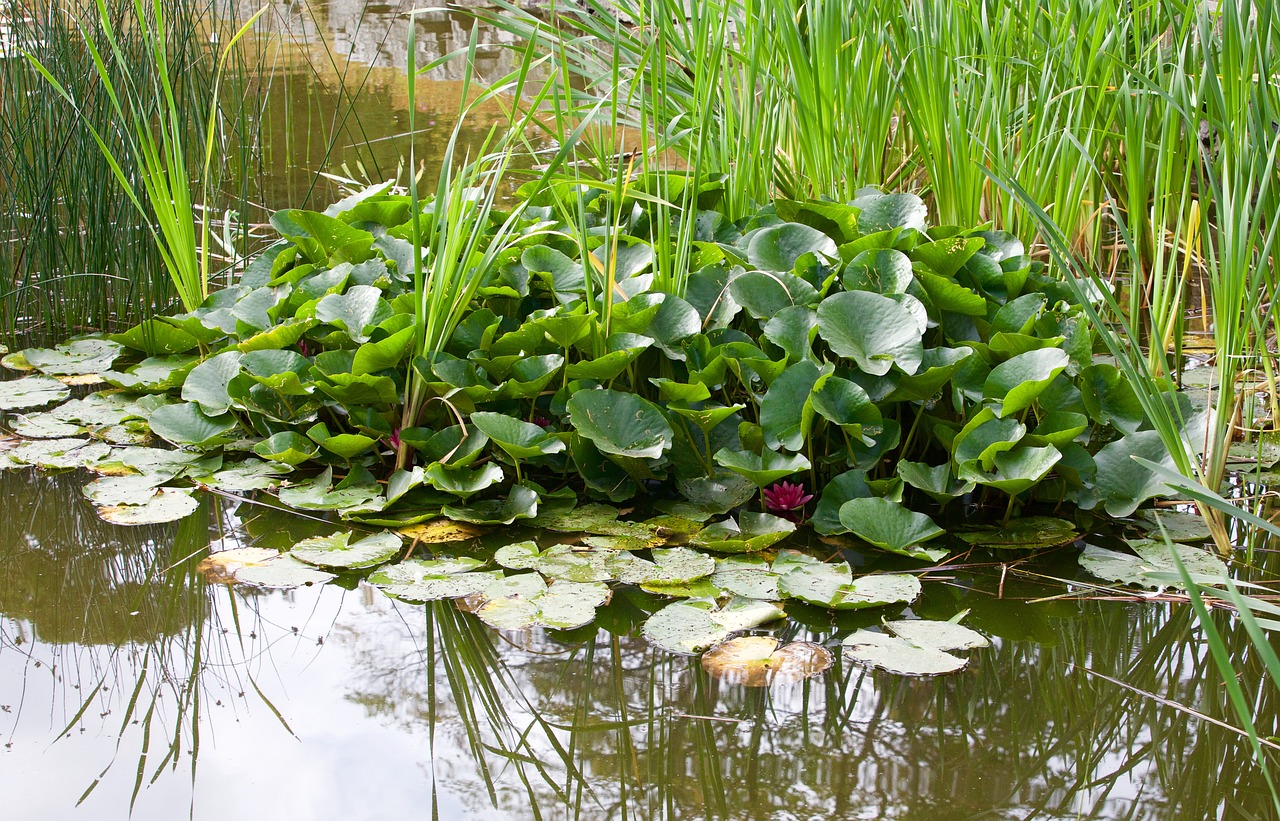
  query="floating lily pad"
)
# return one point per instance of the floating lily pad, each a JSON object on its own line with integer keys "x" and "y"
{"x": 1153, "y": 567}
{"x": 748, "y": 576}
{"x": 251, "y": 474}
{"x": 184, "y": 424}
{"x": 559, "y": 561}
{"x": 288, "y": 447}
{"x": 78, "y": 357}
{"x": 44, "y": 425}
{"x": 521, "y": 503}
{"x": 693, "y": 625}
{"x": 280, "y": 572}
{"x": 31, "y": 392}
{"x": 751, "y": 533}
{"x": 1178, "y": 525}
{"x": 562, "y": 606}
{"x": 442, "y": 531}
{"x": 599, "y": 520}
{"x": 676, "y": 565}
{"x": 521, "y": 440}
{"x": 831, "y": 584}
{"x": 121, "y": 490}
{"x": 1029, "y": 533}
{"x": 220, "y": 567}
{"x": 758, "y": 661}
{"x": 169, "y": 505}
{"x": 621, "y": 424}
{"x": 318, "y": 494}
{"x": 423, "y": 580}
{"x": 59, "y": 454}
{"x": 338, "y": 551}
{"x": 919, "y": 648}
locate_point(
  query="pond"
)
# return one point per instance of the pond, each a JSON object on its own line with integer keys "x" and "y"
{"x": 128, "y": 680}
{"x": 134, "y": 683}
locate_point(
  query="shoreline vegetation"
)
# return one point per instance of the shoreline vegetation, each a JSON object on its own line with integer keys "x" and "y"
{"x": 844, "y": 264}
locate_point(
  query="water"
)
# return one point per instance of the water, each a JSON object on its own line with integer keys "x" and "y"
{"x": 132, "y": 687}
{"x": 118, "y": 662}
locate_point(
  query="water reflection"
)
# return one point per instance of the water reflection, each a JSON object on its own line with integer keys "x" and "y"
{"x": 341, "y": 703}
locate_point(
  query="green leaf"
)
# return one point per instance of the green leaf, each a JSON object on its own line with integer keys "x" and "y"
{"x": 881, "y": 212}
{"x": 891, "y": 527}
{"x": 764, "y": 295}
{"x": 786, "y": 412}
{"x": 1153, "y": 566}
{"x": 521, "y": 440}
{"x": 521, "y": 503}
{"x": 777, "y": 247}
{"x": 343, "y": 445}
{"x": 1015, "y": 383}
{"x": 765, "y": 469}
{"x": 920, "y": 649}
{"x": 206, "y": 384}
{"x": 338, "y": 551}
{"x": 881, "y": 271}
{"x": 287, "y": 447}
{"x": 832, "y": 584}
{"x": 169, "y": 505}
{"x": 670, "y": 566}
{"x": 386, "y": 353}
{"x": 1029, "y": 533}
{"x": 620, "y": 423}
{"x": 874, "y": 331}
{"x": 156, "y": 338}
{"x": 691, "y": 626}
{"x": 751, "y": 533}
{"x": 185, "y": 425}
{"x": 356, "y": 312}
{"x": 31, "y": 392}
{"x": 463, "y": 481}
{"x": 75, "y": 358}
{"x": 423, "y": 580}
{"x": 562, "y": 606}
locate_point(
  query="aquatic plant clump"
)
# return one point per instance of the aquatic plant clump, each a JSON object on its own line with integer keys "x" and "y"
{"x": 850, "y": 349}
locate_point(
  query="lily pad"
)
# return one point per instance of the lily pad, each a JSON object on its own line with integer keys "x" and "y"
{"x": 184, "y": 424}
{"x": 521, "y": 440}
{"x": 251, "y": 474}
{"x": 169, "y": 505}
{"x": 521, "y": 503}
{"x": 1029, "y": 533}
{"x": 120, "y": 490}
{"x": 31, "y": 392}
{"x": 758, "y": 661}
{"x": 748, "y": 576}
{"x": 562, "y": 606}
{"x": 764, "y": 469}
{"x": 59, "y": 454}
{"x": 43, "y": 425}
{"x": 1178, "y": 525}
{"x": 676, "y": 565}
{"x": 423, "y": 580}
{"x": 919, "y": 648}
{"x": 872, "y": 330}
{"x": 283, "y": 571}
{"x": 75, "y": 358}
{"x": 691, "y": 626}
{"x": 621, "y": 424}
{"x": 575, "y": 564}
{"x": 831, "y": 584}
{"x": 891, "y": 527}
{"x": 338, "y": 551}
{"x": 752, "y": 532}
{"x": 1153, "y": 566}
{"x": 442, "y": 531}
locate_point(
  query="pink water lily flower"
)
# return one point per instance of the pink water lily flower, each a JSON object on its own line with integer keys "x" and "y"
{"x": 785, "y": 497}
{"x": 394, "y": 439}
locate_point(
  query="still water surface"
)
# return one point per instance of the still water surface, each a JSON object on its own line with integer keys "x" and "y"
{"x": 124, "y": 671}
{"x": 132, "y": 687}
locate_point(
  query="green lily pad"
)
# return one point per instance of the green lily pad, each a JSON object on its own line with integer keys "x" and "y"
{"x": 1178, "y": 525}
{"x": 521, "y": 440}
{"x": 1029, "y": 533}
{"x": 691, "y": 626}
{"x": 319, "y": 494}
{"x": 574, "y": 564}
{"x": 287, "y": 447}
{"x": 357, "y": 311}
{"x": 719, "y": 492}
{"x": 872, "y": 330}
{"x": 831, "y": 584}
{"x": 561, "y": 606}
{"x": 185, "y": 425}
{"x": 919, "y": 647}
{"x": 521, "y": 503}
{"x": 891, "y": 527}
{"x": 43, "y": 425}
{"x": 1153, "y": 566}
{"x": 59, "y": 454}
{"x": 157, "y": 338}
{"x": 1017, "y": 382}
{"x": 206, "y": 384}
{"x": 283, "y": 571}
{"x": 121, "y": 490}
{"x": 242, "y": 477}
{"x": 423, "y": 580}
{"x": 748, "y": 576}
{"x": 31, "y": 392}
{"x": 670, "y": 566}
{"x": 620, "y": 423}
{"x": 765, "y": 469}
{"x": 155, "y": 374}
{"x": 777, "y": 247}
{"x": 169, "y": 505}
{"x": 75, "y": 358}
{"x": 338, "y": 551}
{"x": 751, "y": 533}
{"x": 343, "y": 445}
